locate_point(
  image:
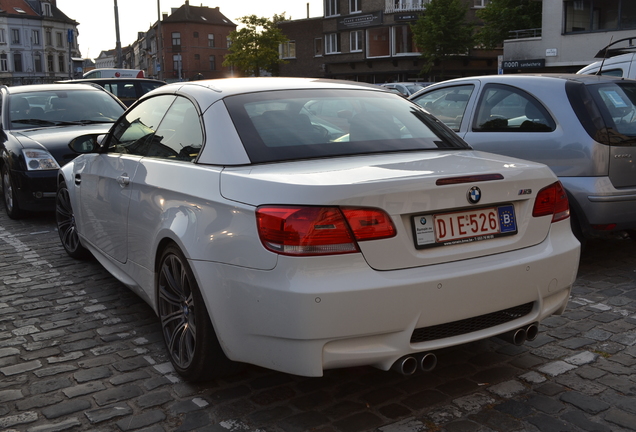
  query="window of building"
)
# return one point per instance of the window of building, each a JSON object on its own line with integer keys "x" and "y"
{"x": 197, "y": 57}
{"x": 49, "y": 37}
{"x": 318, "y": 47}
{"x": 287, "y": 49}
{"x": 59, "y": 39}
{"x": 480, "y": 3}
{"x": 332, "y": 7}
{"x": 195, "y": 35}
{"x": 35, "y": 37}
{"x": 212, "y": 62}
{"x": 403, "y": 42}
{"x": 4, "y": 64}
{"x": 61, "y": 63}
{"x": 356, "y": 41}
{"x": 3, "y": 39}
{"x": 50, "y": 64}
{"x": 46, "y": 9}
{"x": 332, "y": 43}
{"x": 15, "y": 36}
{"x": 378, "y": 42}
{"x": 228, "y": 41}
{"x": 37, "y": 62}
{"x": 17, "y": 62}
{"x": 355, "y": 6}
{"x": 211, "y": 40}
{"x": 176, "y": 62}
{"x": 176, "y": 39}
{"x": 595, "y": 15}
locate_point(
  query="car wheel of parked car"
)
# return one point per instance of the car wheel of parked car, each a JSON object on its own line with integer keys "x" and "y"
{"x": 187, "y": 330}
{"x": 10, "y": 201}
{"x": 66, "y": 227}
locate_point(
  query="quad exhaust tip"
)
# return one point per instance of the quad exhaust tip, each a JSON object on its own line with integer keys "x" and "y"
{"x": 409, "y": 364}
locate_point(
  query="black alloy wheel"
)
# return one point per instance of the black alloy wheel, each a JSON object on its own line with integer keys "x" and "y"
{"x": 66, "y": 227}
{"x": 10, "y": 201}
{"x": 194, "y": 349}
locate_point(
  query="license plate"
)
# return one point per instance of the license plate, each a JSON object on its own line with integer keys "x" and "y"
{"x": 467, "y": 226}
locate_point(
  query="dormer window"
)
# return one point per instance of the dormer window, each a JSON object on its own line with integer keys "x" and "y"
{"x": 46, "y": 9}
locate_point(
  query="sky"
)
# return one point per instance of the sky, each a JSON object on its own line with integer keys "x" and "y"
{"x": 97, "y": 19}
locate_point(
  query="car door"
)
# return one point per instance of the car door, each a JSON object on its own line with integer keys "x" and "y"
{"x": 451, "y": 104}
{"x": 106, "y": 179}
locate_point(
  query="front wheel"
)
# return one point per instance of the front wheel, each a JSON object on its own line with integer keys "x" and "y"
{"x": 187, "y": 330}
{"x": 11, "y": 204}
{"x": 66, "y": 227}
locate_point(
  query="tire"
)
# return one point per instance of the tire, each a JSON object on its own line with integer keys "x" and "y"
{"x": 66, "y": 227}
{"x": 187, "y": 330}
{"x": 11, "y": 205}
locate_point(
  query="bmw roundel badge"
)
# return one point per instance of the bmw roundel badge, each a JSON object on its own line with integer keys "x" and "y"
{"x": 422, "y": 221}
{"x": 474, "y": 195}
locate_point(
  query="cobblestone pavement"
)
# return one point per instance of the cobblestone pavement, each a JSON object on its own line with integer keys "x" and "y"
{"x": 78, "y": 351}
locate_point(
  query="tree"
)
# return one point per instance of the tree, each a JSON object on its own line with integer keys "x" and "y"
{"x": 255, "y": 46}
{"x": 502, "y": 16}
{"x": 442, "y": 32}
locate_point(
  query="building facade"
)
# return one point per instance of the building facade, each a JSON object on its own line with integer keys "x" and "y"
{"x": 571, "y": 34}
{"x": 38, "y": 43}
{"x": 371, "y": 41}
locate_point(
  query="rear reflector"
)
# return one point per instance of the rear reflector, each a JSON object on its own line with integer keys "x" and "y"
{"x": 552, "y": 200}
{"x": 604, "y": 227}
{"x": 304, "y": 230}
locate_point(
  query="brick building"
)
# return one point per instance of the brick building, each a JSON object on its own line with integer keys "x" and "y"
{"x": 371, "y": 41}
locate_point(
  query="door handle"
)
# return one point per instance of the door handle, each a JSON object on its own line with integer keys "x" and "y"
{"x": 123, "y": 180}
{"x": 78, "y": 179}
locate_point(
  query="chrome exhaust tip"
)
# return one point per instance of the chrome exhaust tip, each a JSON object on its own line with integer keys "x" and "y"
{"x": 406, "y": 365}
{"x": 532, "y": 331}
{"x": 427, "y": 361}
{"x": 515, "y": 337}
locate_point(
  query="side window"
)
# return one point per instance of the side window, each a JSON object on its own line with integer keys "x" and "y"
{"x": 133, "y": 133}
{"x": 503, "y": 108}
{"x": 447, "y": 104}
{"x": 179, "y": 136}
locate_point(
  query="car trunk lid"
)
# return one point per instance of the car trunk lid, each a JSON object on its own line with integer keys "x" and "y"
{"x": 410, "y": 187}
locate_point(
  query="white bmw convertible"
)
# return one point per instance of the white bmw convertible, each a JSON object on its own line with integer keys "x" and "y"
{"x": 304, "y": 225}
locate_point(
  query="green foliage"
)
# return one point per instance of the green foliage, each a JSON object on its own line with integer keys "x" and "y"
{"x": 442, "y": 31}
{"x": 255, "y": 46}
{"x": 502, "y": 16}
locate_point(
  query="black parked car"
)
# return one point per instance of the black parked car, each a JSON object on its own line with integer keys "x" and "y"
{"x": 128, "y": 90}
{"x": 37, "y": 122}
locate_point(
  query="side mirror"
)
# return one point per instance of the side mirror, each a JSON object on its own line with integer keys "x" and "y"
{"x": 90, "y": 143}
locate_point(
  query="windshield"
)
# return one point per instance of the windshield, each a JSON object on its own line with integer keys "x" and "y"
{"x": 54, "y": 108}
{"x": 297, "y": 124}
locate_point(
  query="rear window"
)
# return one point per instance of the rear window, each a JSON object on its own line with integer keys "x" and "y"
{"x": 300, "y": 124}
{"x": 617, "y": 104}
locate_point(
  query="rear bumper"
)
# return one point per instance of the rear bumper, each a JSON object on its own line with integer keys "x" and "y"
{"x": 601, "y": 203}
{"x": 311, "y": 314}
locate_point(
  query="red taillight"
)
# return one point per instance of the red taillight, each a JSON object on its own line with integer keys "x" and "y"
{"x": 302, "y": 231}
{"x": 552, "y": 200}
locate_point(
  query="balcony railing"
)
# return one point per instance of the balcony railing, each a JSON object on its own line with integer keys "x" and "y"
{"x": 525, "y": 33}
{"x": 393, "y": 6}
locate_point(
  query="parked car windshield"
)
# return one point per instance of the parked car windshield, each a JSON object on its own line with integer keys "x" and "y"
{"x": 297, "y": 124}
{"x": 54, "y": 108}
{"x": 617, "y": 102}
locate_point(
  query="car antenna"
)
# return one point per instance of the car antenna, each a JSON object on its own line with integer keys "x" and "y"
{"x": 598, "y": 72}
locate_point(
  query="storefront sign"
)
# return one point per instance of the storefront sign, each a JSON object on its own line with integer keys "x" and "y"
{"x": 366, "y": 20}
{"x": 523, "y": 64}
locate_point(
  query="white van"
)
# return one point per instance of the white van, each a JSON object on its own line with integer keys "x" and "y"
{"x": 114, "y": 73}
{"x": 620, "y": 66}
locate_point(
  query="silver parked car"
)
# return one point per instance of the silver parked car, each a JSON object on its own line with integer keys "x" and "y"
{"x": 582, "y": 127}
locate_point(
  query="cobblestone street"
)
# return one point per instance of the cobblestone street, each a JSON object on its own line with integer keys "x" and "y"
{"x": 79, "y": 351}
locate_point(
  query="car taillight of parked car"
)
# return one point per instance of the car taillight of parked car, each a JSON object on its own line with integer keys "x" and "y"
{"x": 308, "y": 230}
{"x": 552, "y": 200}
